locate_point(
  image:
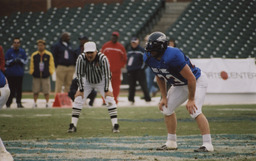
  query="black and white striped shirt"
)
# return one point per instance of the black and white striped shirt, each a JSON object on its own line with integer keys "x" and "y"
{"x": 93, "y": 71}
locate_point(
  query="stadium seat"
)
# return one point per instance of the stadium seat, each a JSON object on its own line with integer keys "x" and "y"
{"x": 96, "y": 21}
{"x": 223, "y": 27}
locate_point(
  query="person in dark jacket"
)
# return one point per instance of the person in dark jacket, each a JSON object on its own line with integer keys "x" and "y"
{"x": 64, "y": 59}
{"x": 15, "y": 59}
{"x": 136, "y": 70}
{"x": 74, "y": 88}
{"x": 80, "y": 49}
{"x": 2, "y": 60}
{"x": 41, "y": 68}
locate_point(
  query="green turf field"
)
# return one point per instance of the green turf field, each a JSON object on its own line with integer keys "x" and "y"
{"x": 32, "y": 126}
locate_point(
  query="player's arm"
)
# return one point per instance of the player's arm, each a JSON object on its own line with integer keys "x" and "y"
{"x": 189, "y": 76}
{"x": 162, "y": 87}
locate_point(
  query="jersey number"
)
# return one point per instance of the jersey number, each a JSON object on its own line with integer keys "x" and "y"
{"x": 175, "y": 80}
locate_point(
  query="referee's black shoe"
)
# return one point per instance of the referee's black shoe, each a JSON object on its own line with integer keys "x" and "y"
{"x": 19, "y": 105}
{"x": 115, "y": 128}
{"x": 72, "y": 128}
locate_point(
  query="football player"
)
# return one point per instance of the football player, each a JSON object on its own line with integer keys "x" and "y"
{"x": 188, "y": 83}
{"x": 4, "y": 90}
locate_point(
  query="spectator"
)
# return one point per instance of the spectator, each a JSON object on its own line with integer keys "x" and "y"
{"x": 74, "y": 88}
{"x": 64, "y": 59}
{"x": 150, "y": 78}
{"x": 74, "y": 84}
{"x": 41, "y": 68}
{"x": 116, "y": 55}
{"x": 136, "y": 70}
{"x": 172, "y": 43}
{"x": 2, "y": 61}
{"x": 80, "y": 49}
{"x": 4, "y": 90}
{"x": 15, "y": 59}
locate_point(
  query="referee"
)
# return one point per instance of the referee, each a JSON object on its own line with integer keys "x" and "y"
{"x": 93, "y": 72}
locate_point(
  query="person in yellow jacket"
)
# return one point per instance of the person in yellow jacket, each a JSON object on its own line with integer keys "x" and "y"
{"x": 41, "y": 68}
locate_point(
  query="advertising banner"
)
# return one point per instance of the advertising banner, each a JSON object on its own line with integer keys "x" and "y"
{"x": 229, "y": 75}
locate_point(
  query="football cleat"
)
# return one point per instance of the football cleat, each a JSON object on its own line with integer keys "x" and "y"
{"x": 169, "y": 145}
{"x": 205, "y": 148}
{"x": 115, "y": 128}
{"x": 72, "y": 128}
{"x": 164, "y": 147}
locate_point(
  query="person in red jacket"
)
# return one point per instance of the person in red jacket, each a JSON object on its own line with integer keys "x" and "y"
{"x": 116, "y": 55}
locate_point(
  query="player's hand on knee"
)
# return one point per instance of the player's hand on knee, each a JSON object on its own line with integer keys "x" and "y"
{"x": 79, "y": 93}
{"x": 191, "y": 106}
{"x": 163, "y": 103}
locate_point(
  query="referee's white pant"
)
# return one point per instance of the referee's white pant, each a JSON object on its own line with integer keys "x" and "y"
{"x": 4, "y": 95}
{"x": 88, "y": 87}
{"x": 179, "y": 94}
{"x": 79, "y": 101}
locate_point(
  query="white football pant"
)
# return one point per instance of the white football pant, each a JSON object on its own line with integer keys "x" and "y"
{"x": 177, "y": 95}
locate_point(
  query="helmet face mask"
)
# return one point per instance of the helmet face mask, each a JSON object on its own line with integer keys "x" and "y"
{"x": 157, "y": 42}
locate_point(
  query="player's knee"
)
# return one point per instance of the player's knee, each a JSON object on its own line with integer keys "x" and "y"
{"x": 167, "y": 112}
{"x": 194, "y": 115}
{"x": 110, "y": 101}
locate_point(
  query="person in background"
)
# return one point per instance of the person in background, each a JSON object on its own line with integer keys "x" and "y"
{"x": 80, "y": 49}
{"x": 41, "y": 68}
{"x": 74, "y": 88}
{"x": 15, "y": 59}
{"x": 172, "y": 43}
{"x": 136, "y": 70}
{"x": 2, "y": 61}
{"x": 74, "y": 84}
{"x": 117, "y": 57}
{"x": 64, "y": 60}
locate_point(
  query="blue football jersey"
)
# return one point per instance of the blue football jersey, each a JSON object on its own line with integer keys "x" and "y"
{"x": 170, "y": 65}
{"x": 2, "y": 79}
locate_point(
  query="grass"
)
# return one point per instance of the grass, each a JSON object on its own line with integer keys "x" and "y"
{"x": 20, "y": 124}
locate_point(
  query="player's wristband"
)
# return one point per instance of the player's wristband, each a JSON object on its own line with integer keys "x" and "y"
{"x": 81, "y": 90}
{"x": 106, "y": 90}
